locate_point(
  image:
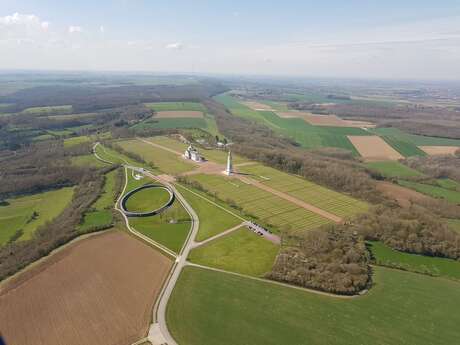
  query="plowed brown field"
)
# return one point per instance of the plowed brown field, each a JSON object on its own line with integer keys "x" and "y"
{"x": 374, "y": 148}
{"x": 440, "y": 150}
{"x": 98, "y": 291}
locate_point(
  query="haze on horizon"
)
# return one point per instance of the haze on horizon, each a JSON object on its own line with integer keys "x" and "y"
{"x": 359, "y": 39}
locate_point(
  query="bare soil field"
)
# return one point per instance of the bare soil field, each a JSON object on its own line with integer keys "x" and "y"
{"x": 401, "y": 194}
{"x": 439, "y": 150}
{"x": 179, "y": 114}
{"x": 324, "y": 120}
{"x": 257, "y": 106}
{"x": 99, "y": 290}
{"x": 374, "y": 148}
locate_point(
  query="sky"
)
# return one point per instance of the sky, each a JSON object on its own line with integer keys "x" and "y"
{"x": 342, "y": 39}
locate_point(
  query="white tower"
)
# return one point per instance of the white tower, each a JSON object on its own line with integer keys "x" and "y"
{"x": 229, "y": 169}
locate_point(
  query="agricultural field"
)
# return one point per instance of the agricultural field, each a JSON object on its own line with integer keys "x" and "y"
{"x": 213, "y": 220}
{"x": 386, "y": 256}
{"x": 86, "y": 293}
{"x": 440, "y": 150}
{"x": 374, "y": 148}
{"x": 87, "y": 160}
{"x": 393, "y": 169}
{"x": 417, "y": 140}
{"x": 28, "y": 213}
{"x": 401, "y": 308}
{"x": 148, "y": 199}
{"x": 449, "y": 195}
{"x": 266, "y": 207}
{"x": 323, "y": 120}
{"x": 163, "y": 160}
{"x": 176, "y": 106}
{"x": 57, "y": 109}
{"x": 241, "y": 251}
{"x": 405, "y": 148}
{"x": 326, "y": 199}
{"x": 73, "y": 141}
{"x": 172, "y": 114}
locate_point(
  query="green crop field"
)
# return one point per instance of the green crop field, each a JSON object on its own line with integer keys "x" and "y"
{"x": 69, "y": 142}
{"x": 308, "y": 136}
{"x": 434, "y": 191}
{"x": 387, "y": 256}
{"x": 170, "y": 106}
{"x": 326, "y": 199}
{"x": 393, "y": 169}
{"x": 27, "y": 213}
{"x": 405, "y": 148}
{"x": 418, "y": 140}
{"x": 448, "y": 184}
{"x": 269, "y": 208}
{"x": 165, "y": 123}
{"x": 242, "y": 251}
{"x": 213, "y": 220}
{"x": 57, "y": 109}
{"x": 148, "y": 199}
{"x": 165, "y": 161}
{"x": 209, "y": 307}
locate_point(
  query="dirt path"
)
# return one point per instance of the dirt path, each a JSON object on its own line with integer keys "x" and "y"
{"x": 222, "y": 234}
{"x": 291, "y": 199}
{"x": 161, "y": 147}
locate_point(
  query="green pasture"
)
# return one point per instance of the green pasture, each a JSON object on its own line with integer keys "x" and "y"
{"x": 272, "y": 210}
{"x": 167, "y": 123}
{"x": 404, "y": 147}
{"x": 437, "y": 192}
{"x": 208, "y": 307}
{"x": 148, "y": 199}
{"x": 241, "y": 251}
{"x": 393, "y": 169}
{"x": 73, "y": 141}
{"x": 300, "y": 188}
{"x": 213, "y": 220}
{"x": 87, "y": 160}
{"x": 447, "y": 183}
{"x": 27, "y": 213}
{"x": 174, "y": 106}
{"x": 165, "y": 161}
{"x": 386, "y": 256}
{"x": 418, "y": 140}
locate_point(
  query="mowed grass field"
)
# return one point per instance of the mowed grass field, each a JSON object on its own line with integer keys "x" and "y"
{"x": 165, "y": 161}
{"x": 449, "y": 195}
{"x": 417, "y": 140}
{"x": 307, "y": 135}
{"x": 27, "y": 213}
{"x": 213, "y": 219}
{"x": 326, "y": 199}
{"x": 147, "y": 199}
{"x": 87, "y": 160}
{"x": 241, "y": 251}
{"x": 209, "y": 307}
{"x": 387, "y": 256}
{"x": 393, "y": 169}
{"x": 266, "y": 207}
{"x": 69, "y": 142}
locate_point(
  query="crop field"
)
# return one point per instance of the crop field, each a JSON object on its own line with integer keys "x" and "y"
{"x": 440, "y": 150}
{"x": 241, "y": 251}
{"x": 57, "y": 109}
{"x": 269, "y": 208}
{"x": 69, "y": 142}
{"x": 147, "y": 200}
{"x": 173, "y": 106}
{"x": 213, "y": 220}
{"x": 434, "y": 191}
{"x": 257, "y": 105}
{"x": 166, "y": 123}
{"x": 27, "y": 213}
{"x": 417, "y": 140}
{"x": 323, "y": 120}
{"x": 442, "y": 267}
{"x": 172, "y": 114}
{"x": 307, "y": 135}
{"x": 326, "y": 199}
{"x": 99, "y": 290}
{"x": 405, "y": 148}
{"x": 165, "y": 161}
{"x": 374, "y": 148}
{"x": 448, "y": 184}
{"x": 401, "y": 308}
{"x": 393, "y": 169}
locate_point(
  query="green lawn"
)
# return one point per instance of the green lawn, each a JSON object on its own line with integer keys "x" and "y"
{"x": 434, "y": 191}
{"x": 95, "y": 219}
{"x": 147, "y": 199}
{"x": 107, "y": 198}
{"x": 19, "y": 214}
{"x": 69, "y": 142}
{"x": 209, "y": 307}
{"x": 170, "y": 106}
{"x": 114, "y": 156}
{"x": 393, "y": 169}
{"x": 272, "y": 210}
{"x": 339, "y": 204}
{"x": 387, "y": 256}
{"x": 242, "y": 251}
{"x": 213, "y": 220}
{"x": 165, "y": 161}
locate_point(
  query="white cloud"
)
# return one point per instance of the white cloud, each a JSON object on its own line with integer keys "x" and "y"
{"x": 102, "y": 29}
{"x": 75, "y": 29}
{"x": 18, "y": 22}
{"x": 45, "y": 25}
{"x": 174, "y": 46}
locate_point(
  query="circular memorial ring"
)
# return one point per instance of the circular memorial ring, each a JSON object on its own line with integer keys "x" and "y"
{"x": 148, "y": 213}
